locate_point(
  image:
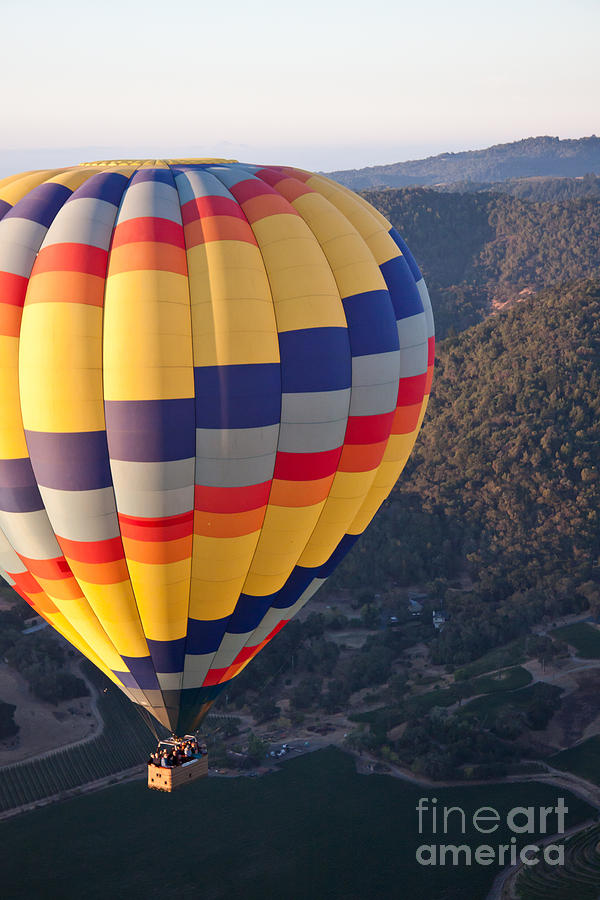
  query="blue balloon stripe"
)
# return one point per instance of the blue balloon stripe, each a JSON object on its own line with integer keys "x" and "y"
{"x": 371, "y": 323}
{"x": 150, "y": 430}
{"x": 402, "y": 245}
{"x": 163, "y": 175}
{"x": 315, "y": 359}
{"x": 237, "y": 396}
{"x": 167, "y": 656}
{"x": 42, "y": 204}
{"x": 205, "y": 636}
{"x": 142, "y": 673}
{"x": 72, "y": 461}
{"x": 18, "y": 487}
{"x": 402, "y": 287}
{"x": 107, "y": 186}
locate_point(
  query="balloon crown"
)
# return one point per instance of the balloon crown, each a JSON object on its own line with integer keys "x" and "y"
{"x": 158, "y": 163}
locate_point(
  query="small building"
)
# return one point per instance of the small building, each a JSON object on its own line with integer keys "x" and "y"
{"x": 414, "y": 607}
{"x": 33, "y": 624}
{"x": 439, "y": 619}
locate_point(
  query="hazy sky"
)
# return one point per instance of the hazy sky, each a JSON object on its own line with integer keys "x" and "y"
{"x": 323, "y": 83}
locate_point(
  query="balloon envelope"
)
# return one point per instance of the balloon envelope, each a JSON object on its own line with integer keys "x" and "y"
{"x": 212, "y": 376}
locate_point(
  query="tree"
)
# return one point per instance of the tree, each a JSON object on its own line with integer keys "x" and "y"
{"x": 264, "y": 709}
{"x": 257, "y": 748}
{"x": 306, "y": 693}
{"x": 8, "y": 726}
{"x": 54, "y": 687}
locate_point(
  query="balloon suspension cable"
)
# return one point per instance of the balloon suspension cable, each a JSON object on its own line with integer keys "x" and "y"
{"x": 148, "y": 720}
{"x": 271, "y": 678}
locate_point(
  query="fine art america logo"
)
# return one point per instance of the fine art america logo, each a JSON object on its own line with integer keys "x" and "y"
{"x": 436, "y": 821}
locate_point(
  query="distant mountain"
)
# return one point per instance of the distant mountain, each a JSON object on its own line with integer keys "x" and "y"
{"x": 519, "y": 159}
{"x": 479, "y": 251}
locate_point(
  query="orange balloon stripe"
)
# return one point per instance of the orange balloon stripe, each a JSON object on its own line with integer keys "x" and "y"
{"x": 66, "y": 287}
{"x": 429, "y": 380}
{"x": 100, "y": 573}
{"x": 300, "y": 493}
{"x": 56, "y": 568}
{"x": 61, "y": 588}
{"x": 217, "y": 228}
{"x": 406, "y": 418}
{"x": 290, "y": 188}
{"x": 257, "y": 208}
{"x": 211, "y": 524}
{"x": 10, "y": 320}
{"x": 158, "y": 552}
{"x": 147, "y": 256}
{"x": 362, "y": 457}
{"x": 36, "y": 598}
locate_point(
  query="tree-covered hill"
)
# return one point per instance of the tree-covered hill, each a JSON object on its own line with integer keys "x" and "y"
{"x": 504, "y": 482}
{"x": 539, "y": 188}
{"x": 477, "y": 250}
{"x": 529, "y": 157}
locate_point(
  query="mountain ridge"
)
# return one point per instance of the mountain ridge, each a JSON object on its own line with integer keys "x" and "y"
{"x": 532, "y": 156}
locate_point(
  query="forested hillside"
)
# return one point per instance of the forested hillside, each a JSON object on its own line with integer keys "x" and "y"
{"x": 504, "y": 482}
{"x": 539, "y": 188}
{"x": 529, "y": 157}
{"x": 481, "y": 249}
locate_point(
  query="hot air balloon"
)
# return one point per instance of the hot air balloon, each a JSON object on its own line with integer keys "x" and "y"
{"x": 211, "y": 377}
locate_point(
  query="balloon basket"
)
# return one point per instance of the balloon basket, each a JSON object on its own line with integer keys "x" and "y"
{"x": 162, "y": 778}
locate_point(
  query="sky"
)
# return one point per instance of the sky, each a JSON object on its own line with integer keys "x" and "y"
{"x": 323, "y": 84}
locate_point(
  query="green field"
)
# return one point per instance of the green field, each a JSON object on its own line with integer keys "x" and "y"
{"x": 488, "y": 706}
{"x": 585, "y": 638}
{"x": 388, "y": 716}
{"x": 583, "y": 759}
{"x": 509, "y": 655}
{"x": 506, "y": 680}
{"x": 315, "y": 830}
